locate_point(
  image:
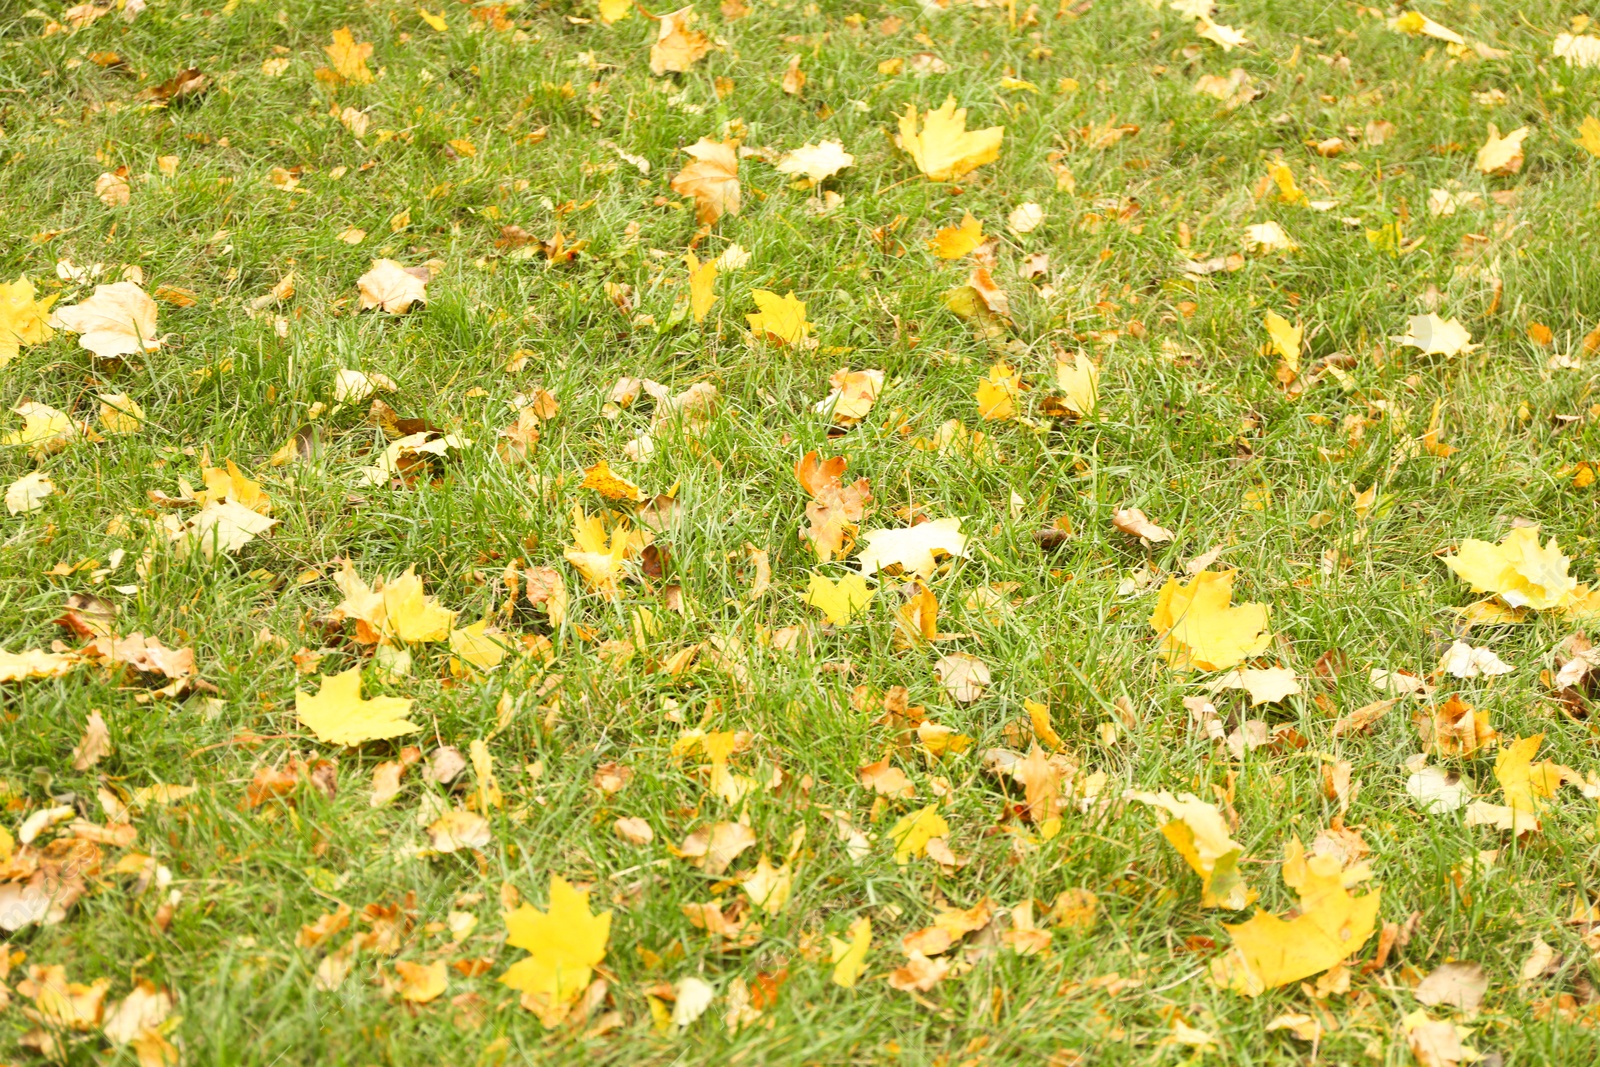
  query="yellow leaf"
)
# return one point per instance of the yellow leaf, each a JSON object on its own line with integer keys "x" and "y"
{"x": 392, "y": 287}
{"x": 953, "y": 242}
{"x": 769, "y": 887}
{"x": 436, "y": 21}
{"x": 338, "y": 715}
{"x": 913, "y": 832}
{"x": 915, "y": 551}
{"x": 1588, "y": 140}
{"x": 349, "y": 59}
{"x": 712, "y": 179}
{"x": 120, "y": 413}
{"x": 677, "y": 47}
{"x": 1039, "y": 716}
{"x": 1199, "y": 627}
{"x": 466, "y": 149}
{"x": 35, "y": 663}
{"x": 854, "y": 393}
{"x": 604, "y": 481}
{"x": 838, "y": 601}
{"x": 44, "y": 430}
{"x": 1283, "y": 178}
{"x": 473, "y": 644}
{"x": 702, "y": 285}
{"x": 1502, "y": 155}
{"x": 997, "y": 393}
{"x": 599, "y": 557}
{"x": 1268, "y": 952}
{"x": 614, "y": 11}
{"x": 1079, "y": 378}
{"x": 781, "y": 319}
{"x": 564, "y": 944}
{"x": 1436, "y": 337}
{"x": 27, "y": 493}
{"x": 411, "y": 616}
{"x": 1415, "y": 23}
{"x": 1201, "y": 836}
{"x": 1526, "y": 785}
{"x": 118, "y": 320}
{"x": 816, "y": 161}
{"x": 421, "y": 982}
{"x": 1285, "y": 339}
{"x": 23, "y": 319}
{"x": 944, "y": 149}
{"x": 1519, "y": 571}
{"x": 849, "y": 958}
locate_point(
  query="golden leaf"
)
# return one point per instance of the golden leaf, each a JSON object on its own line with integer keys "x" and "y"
{"x": 849, "y": 958}
{"x": 349, "y": 59}
{"x": 118, "y": 320}
{"x": 944, "y": 149}
{"x": 838, "y": 601}
{"x": 712, "y": 179}
{"x": 392, "y": 287}
{"x": 780, "y": 319}
{"x": 608, "y": 484}
{"x": 23, "y": 319}
{"x": 564, "y": 944}
{"x": 1519, "y": 571}
{"x": 1201, "y": 836}
{"x": 702, "y": 285}
{"x": 677, "y": 47}
{"x": 913, "y": 832}
{"x": 338, "y": 715}
{"x": 953, "y": 242}
{"x": 1199, "y": 626}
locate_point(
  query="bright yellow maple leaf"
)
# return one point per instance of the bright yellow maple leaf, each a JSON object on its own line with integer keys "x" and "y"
{"x": 953, "y": 242}
{"x": 849, "y": 958}
{"x": 702, "y": 285}
{"x": 1588, "y": 139}
{"x": 474, "y": 644}
{"x": 603, "y": 480}
{"x": 1527, "y": 785}
{"x": 838, "y": 601}
{"x": 1517, "y": 570}
{"x": 564, "y": 945}
{"x": 944, "y": 149}
{"x": 780, "y": 318}
{"x": 1201, "y": 835}
{"x": 913, "y": 832}
{"x": 1199, "y": 626}
{"x": 1078, "y": 377}
{"x": 997, "y": 393}
{"x": 1286, "y": 338}
{"x": 411, "y": 616}
{"x": 1269, "y": 952}
{"x": 338, "y": 715}
{"x": 614, "y": 11}
{"x": 598, "y": 556}
{"x": 349, "y": 59}
{"x": 23, "y": 319}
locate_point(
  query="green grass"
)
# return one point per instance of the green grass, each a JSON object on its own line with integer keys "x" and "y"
{"x": 1192, "y": 429}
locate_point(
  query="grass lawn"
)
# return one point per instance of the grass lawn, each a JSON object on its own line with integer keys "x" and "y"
{"x": 966, "y": 767}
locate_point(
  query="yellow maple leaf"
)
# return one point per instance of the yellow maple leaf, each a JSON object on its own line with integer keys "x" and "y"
{"x": 475, "y": 645}
{"x": 608, "y": 484}
{"x": 1268, "y": 952}
{"x": 599, "y": 556}
{"x": 564, "y": 945}
{"x": 838, "y": 601}
{"x": 338, "y": 715}
{"x": 44, "y": 430}
{"x": 916, "y": 550}
{"x": 702, "y": 285}
{"x": 944, "y": 149}
{"x": 1502, "y": 155}
{"x": 677, "y": 47}
{"x": 1588, "y": 138}
{"x": 118, "y": 320}
{"x": 1517, "y": 570}
{"x": 854, "y": 393}
{"x": 997, "y": 393}
{"x": 411, "y": 616}
{"x": 913, "y": 832}
{"x": 1200, "y": 834}
{"x": 953, "y": 242}
{"x": 436, "y": 21}
{"x": 1199, "y": 626}
{"x": 712, "y": 179}
{"x": 120, "y": 413}
{"x": 23, "y": 319}
{"x": 1526, "y": 785}
{"x": 1286, "y": 339}
{"x": 230, "y": 483}
{"x": 614, "y": 11}
{"x": 349, "y": 59}
{"x": 781, "y": 319}
{"x": 849, "y": 958}
{"x": 1079, "y": 378}
{"x": 1288, "y": 191}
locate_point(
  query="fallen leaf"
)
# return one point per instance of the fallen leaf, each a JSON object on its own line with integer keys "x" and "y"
{"x": 564, "y": 944}
{"x": 712, "y": 179}
{"x": 96, "y": 743}
{"x": 1201, "y": 835}
{"x": 1517, "y": 569}
{"x": 838, "y": 601}
{"x": 944, "y": 149}
{"x": 1331, "y": 925}
{"x": 1133, "y": 522}
{"x": 818, "y": 162}
{"x": 780, "y": 319}
{"x": 1199, "y": 627}
{"x": 1502, "y": 155}
{"x": 677, "y": 47}
{"x": 1434, "y": 336}
{"x": 913, "y": 832}
{"x": 1461, "y": 660}
{"x": 953, "y": 242}
{"x": 349, "y": 58}
{"x": 421, "y": 982}
{"x": 338, "y": 715}
{"x": 849, "y": 958}
{"x": 118, "y": 320}
{"x": 392, "y": 287}
{"x": 702, "y": 285}
{"x": 963, "y": 678}
{"x": 1265, "y": 686}
{"x": 916, "y": 550}
{"x": 1460, "y": 985}
{"x": 28, "y": 492}
{"x": 24, "y": 319}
